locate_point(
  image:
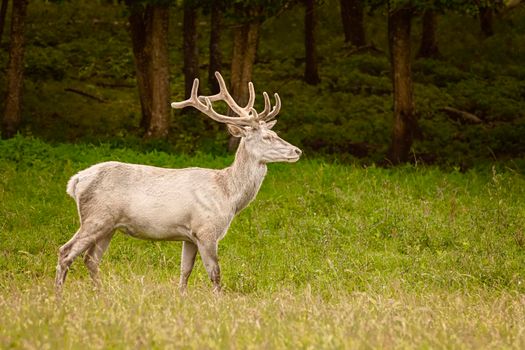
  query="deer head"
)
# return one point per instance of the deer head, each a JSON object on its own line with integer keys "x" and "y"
{"x": 252, "y": 127}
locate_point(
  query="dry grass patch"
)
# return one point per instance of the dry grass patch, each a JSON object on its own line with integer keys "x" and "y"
{"x": 136, "y": 312}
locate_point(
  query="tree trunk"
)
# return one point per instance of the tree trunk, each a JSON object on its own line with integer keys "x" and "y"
{"x": 149, "y": 38}
{"x": 245, "y": 38}
{"x": 428, "y": 47}
{"x": 159, "y": 74}
{"x": 311, "y": 72}
{"x": 3, "y": 12}
{"x": 405, "y": 123}
{"x": 140, "y": 24}
{"x": 215, "y": 47}
{"x": 352, "y": 19}
{"x": 15, "y": 71}
{"x": 485, "y": 21}
{"x": 190, "y": 48}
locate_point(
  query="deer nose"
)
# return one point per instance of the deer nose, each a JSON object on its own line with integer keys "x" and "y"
{"x": 298, "y": 151}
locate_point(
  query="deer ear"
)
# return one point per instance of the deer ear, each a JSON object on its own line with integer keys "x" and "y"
{"x": 236, "y": 131}
{"x": 271, "y": 124}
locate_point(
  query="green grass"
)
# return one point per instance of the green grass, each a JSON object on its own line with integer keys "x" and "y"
{"x": 327, "y": 256}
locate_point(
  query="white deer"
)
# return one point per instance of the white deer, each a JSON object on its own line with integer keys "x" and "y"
{"x": 193, "y": 205}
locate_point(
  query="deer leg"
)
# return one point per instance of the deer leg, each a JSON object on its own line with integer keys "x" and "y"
{"x": 189, "y": 251}
{"x": 63, "y": 265}
{"x": 85, "y": 237}
{"x": 93, "y": 257}
{"x": 208, "y": 252}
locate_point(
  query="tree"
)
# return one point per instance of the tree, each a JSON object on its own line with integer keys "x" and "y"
{"x": 245, "y": 38}
{"x": 428, "y": 47}
{"x": 15, "y": 70}
{"x": 3, "y": 12}
{"x": 400, "y": 14}
{"x": 311, "y": 71}
{"x": 149, "y": 38}
{"x": 190, "y": 47}
{"x": 405, "y": 122}
{"x": 215, "y": 64}
{"x": 485, "y": 20}
{"x": 352, "y": 19}
{"x": 245, "y": 41}
{"x": 249, "y": 17}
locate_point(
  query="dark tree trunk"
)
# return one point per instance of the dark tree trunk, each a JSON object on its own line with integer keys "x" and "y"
{"x": 428, "y": 47}
{"x": 243, "y": 59}
{"x": 311, "y": 71}
{"x": 485, "y": 21}
{"x": 140, "y": 24}
{"x": 160, "y": 111}
{"x": 3, "y": 12}
{"x": 245, "y": 38}
{"x": 215, "y": 47}
{"x": 15, "y": 71}
{"x": 190, "y": 48}
{"x": 352, "y": 19}
{"x": 405, "y": 123}
{"x": 149, "y": 37}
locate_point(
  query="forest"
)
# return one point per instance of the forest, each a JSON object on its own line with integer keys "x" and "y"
{"x": 401, "y": 226}
{"x": 429, "y": 82}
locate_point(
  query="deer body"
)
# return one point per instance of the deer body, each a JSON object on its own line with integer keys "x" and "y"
{"x": 193, "y": 205}
{"x": 167, "y": 204}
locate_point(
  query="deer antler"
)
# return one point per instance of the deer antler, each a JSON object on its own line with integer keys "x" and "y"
{"x": 266, "y": 114}
{"x": 248, "y": 116}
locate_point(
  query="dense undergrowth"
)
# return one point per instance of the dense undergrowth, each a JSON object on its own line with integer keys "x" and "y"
{"x": 85, "y": 46}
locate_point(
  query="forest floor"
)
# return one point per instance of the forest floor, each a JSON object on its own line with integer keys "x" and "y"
{"x": 327, "y": 256}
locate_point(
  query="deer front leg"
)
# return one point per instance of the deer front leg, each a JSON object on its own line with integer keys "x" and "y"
{"x": 208, "y": 252}
{"x": 189, "y": 251}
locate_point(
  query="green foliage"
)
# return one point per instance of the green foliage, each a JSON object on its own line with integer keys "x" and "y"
{"x": 46, "y": 63}
{"x": 243, "y": 11}
{"x": 493, "y": 100}
{"x": 469, "y": 7}
{"x": 437, "y": 73}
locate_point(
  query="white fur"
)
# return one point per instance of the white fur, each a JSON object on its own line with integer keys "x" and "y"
{"x": 194, "y": 205}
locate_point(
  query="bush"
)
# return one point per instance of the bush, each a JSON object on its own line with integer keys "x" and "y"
{"x": 43, "y": 63}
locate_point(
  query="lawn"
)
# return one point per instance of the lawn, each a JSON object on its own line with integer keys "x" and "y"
{"x": 328, "y": 256}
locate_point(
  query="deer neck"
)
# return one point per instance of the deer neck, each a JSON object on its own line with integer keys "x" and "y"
{"x": 245, "y": 177}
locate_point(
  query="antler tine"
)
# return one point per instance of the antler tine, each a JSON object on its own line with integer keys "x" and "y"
{"x": 266, "y": 110}
{"x": 275, "y": 110}
{"x": 223, "y": 90}
{"x": 251, "y": 100}
{"x": 190, "y": 101}
{"x": 254, "y": 114}
{"x": 226, "y": 97}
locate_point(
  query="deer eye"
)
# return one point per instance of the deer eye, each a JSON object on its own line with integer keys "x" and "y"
{"x": 267, "y": 138}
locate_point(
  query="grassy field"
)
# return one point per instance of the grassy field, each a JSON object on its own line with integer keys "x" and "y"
{"x": 328, "y": 256}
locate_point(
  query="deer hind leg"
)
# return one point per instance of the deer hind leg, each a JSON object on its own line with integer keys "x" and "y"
{"x": 89, "y": 233}
{"x": 209, "y": 256}
{"x": 93, "y": 257}
{"x": 189, "y": 251}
